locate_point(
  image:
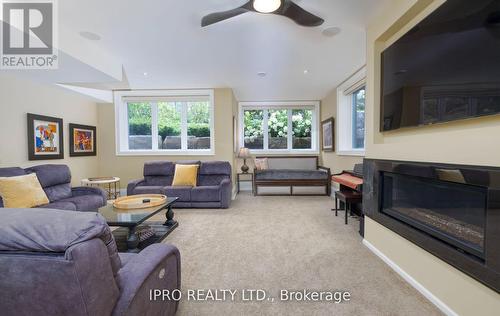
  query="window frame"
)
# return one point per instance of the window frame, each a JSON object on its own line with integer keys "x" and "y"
{"x": 345, "y": 117}
{"x": 154, "y": 96}
{"x": 291, "y": 105}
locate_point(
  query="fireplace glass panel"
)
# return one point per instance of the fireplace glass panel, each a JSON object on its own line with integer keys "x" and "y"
{"x": 452, "y": 212}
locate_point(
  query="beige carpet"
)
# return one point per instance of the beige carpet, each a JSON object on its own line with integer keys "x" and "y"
{"x": 275, "y": 243}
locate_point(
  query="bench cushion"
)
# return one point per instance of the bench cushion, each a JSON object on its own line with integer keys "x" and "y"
{"x": 285, "y": 174}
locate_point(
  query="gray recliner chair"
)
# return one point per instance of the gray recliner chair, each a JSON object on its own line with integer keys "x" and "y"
{"x": 66, "y": 263}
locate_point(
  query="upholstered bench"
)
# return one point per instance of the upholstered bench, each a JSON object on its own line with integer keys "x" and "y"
{"x": 299, "y": 175}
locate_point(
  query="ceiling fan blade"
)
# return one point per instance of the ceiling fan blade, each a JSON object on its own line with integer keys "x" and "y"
{"x": 221, "y": 16}
{"x": 299, "y": 15}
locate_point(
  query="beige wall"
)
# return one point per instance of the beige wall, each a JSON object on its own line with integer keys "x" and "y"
{"x": 473, "y": 141}
{"x": 19, "y": 97}
{"x": 331, "y": 160}
{"x": 131, "y": 167}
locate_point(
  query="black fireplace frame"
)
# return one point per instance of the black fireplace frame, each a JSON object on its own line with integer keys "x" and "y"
{"x": 487, "y": 269}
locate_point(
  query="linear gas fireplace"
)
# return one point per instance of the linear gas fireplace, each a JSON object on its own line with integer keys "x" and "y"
{"x": 451, "y": 211}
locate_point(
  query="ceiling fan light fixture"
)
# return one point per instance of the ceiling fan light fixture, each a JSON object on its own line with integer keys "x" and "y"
{"x": 266, "y": 6}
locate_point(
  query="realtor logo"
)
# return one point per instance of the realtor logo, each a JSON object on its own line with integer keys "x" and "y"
{"x": 29, "y": 38}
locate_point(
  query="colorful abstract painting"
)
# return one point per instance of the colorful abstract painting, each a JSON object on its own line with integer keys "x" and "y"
{"x": 83, "y": 140}
{"x": 45, "y": 137}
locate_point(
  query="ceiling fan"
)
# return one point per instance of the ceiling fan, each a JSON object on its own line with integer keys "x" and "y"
{"x": 280, "y": 7}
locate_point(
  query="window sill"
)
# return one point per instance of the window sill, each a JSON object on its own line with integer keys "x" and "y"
{"x": 166, "y": 153}
{"x": 356, "y": 153}
{"x": 284, "y": 152}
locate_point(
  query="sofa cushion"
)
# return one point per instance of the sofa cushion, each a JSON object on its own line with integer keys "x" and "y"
{"x": 215, "y": 167}
{"x": 125, "y": 257}
{"x": 58, "y": 192}
{"x": 206, "y": 194}
{"x": 208, "y": 180}
{"x": 60, "y": 205}
{"x": 159, "y": 180}
{"x": 183, "y": 193}
{"x": 55, "y": 180}
{"x": 152, "y": 189}
{"x": 50, "y": 175}
{"x": 37, "y": 230}
{"x": 12, "y": 172}
{"x": 159, "y": 168}
{"x": 276, "y": 174}
{"x": 22, "y": 191}
{"x": 86, "y": 202}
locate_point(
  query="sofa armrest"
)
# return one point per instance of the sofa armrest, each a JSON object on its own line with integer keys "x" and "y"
{"x": 158, "y": 267}
{"x": 132, "y": 185}
{"x": 79, "y": 191}
{"x": 226, "y": 191}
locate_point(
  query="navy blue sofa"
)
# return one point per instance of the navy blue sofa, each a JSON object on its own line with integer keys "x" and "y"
{"x": 213, "y": 190}
{"x": 56, "y": 182}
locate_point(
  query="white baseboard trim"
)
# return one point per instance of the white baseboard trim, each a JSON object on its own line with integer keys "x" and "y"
{"x": 408, "y": 278}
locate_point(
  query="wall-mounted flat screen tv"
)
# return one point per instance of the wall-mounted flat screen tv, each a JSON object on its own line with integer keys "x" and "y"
{"x": 446, "y": 68}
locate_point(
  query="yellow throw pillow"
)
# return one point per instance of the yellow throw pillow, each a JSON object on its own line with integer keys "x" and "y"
{"x": 22, "y": 192}
{"x": 185, "y": 175}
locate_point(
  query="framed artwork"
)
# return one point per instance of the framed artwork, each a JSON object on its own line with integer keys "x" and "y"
{"x": 328, "y": 135}
{"x": 235, "y": 135}
{"x": 83, "y": 140}
{"x": 45, "y": 137}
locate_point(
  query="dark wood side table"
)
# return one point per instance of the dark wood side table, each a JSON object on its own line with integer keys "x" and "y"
{"x": 244, "y": 180}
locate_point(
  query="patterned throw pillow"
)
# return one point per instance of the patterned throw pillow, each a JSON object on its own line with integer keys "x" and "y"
{"x": 261, "y": 163}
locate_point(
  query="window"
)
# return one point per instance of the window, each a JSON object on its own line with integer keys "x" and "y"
{"x": 351, "y": 115}
{"x": 358, "y": 119}
{"x": 254, "y": 129}
{"x": 279, "y": 126}
{"x": 164, "y": 122}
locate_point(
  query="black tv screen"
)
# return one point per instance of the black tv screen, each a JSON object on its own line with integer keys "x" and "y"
{"x": 446, "y": 68}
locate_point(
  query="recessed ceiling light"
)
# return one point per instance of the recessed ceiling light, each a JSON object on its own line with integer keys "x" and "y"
{"x": 306, "y": 72}
{"x": 261, "y": 74}
{"x": 266, "y": 6}
{"x": 90, "y": 36}
{"x": 331, "y": 31}
{"x": 145, "y": 74}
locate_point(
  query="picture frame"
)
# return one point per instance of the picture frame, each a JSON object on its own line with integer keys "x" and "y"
{"x": 83, "y": 140}
{"x": 328, "y": 135}
{"x": 235, "y": 135}
{"x": 45, "y": 137}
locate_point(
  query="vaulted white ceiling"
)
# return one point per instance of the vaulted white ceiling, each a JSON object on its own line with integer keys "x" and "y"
{"x": 163, "y": 38}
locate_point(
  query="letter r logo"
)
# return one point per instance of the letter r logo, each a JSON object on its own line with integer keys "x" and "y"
{"x": 27, "y": 28}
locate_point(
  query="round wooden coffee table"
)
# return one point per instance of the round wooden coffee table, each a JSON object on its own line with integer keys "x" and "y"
{"x": 110, "y": 184}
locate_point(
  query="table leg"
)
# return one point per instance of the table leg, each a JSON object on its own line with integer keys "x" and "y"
{"x": 347, "y": 207}
{"x": 132, "y": 240}
{"x": 170, "y": 217}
